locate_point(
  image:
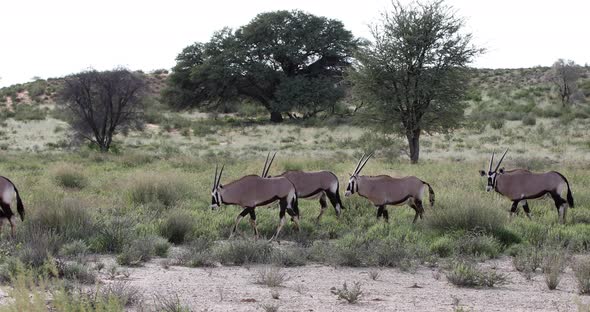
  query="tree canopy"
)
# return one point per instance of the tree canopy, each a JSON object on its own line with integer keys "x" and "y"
{"x": 290, "y": 62}
{"x": 412, "y": 75}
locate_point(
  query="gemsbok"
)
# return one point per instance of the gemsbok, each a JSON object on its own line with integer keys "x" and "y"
{"x": 252, "y": 191}
{"x": 384, "y": 190}
{"x": 7, "y": 192}
{"x": 520, "y": 185}
{"x": 312, "y": 185}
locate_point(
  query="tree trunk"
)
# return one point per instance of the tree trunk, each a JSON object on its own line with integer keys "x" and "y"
{"x": 276, "y": 117}
{"x": 414, "y": 144}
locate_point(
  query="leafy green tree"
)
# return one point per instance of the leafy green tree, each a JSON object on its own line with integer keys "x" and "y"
{"x": 290, "y": 62}
{"x": 413, "y": 75}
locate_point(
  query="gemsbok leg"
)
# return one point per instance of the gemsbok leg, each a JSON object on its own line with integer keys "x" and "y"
{"x": 335, "y": 201}
{"x": 527, "y": 209}
{"x": 323, "y": 206}
{"x": 253, "y": 222}
{"x": 561, "y": 205}
{"x": 382, "y": 212}
{"x": 514, "y": 208}
{"x": 239, "y": 218}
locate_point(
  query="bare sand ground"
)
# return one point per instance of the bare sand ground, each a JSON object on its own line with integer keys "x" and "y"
{"x": 308, "y": 289}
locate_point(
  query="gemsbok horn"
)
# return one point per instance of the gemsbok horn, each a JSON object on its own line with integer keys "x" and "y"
{"x": 312, "y": 185}
{"x": 7, "y": 192}
{"x": 520, "y": 185}
{"x": 384, "y": 190}
{"x": 252, "y": 191}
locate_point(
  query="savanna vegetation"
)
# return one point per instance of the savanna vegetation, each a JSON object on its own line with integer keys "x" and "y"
{"x": 143, "y": 193}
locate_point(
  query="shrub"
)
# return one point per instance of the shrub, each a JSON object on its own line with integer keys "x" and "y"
{"x": 74, "y": 249}
{"x": 443, "y": 246}
{"x": 468, "y": 214}
{"x": 37, "y": 244}
{"x": 124, "y": 293}
{"x": 553, "y": 264}
{"x": 480, "y": 245}
{"x": 69, "y": 217}
{"x": 170, "y": 304}
{"x": 69, "y": 176}
{"x": 177, "y": 226}
{"x": 142, "y": 250}
{"x": 497, "y": 123}
{"x": 197, "y": 253}
{"x": 527, "y": 260}
{"x": 582, "y": 274}
{"x": 463, "y": 274}
{"x": 239, "y": 252}
{"x": 289, "y": 257}
{"x": 529, "y": 120}
{"x": 113, "y": 234}
{"x": 351, "y": 295}
{"x": 271, "y": 277}
{"x": 162, "y": 191}
{"x": 77, "y": 271}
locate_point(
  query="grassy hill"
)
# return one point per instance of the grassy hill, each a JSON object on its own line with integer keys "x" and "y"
{"x": 506, "y": 107}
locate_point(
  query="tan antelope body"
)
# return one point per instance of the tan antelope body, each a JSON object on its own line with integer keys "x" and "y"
{"x": 312, "y": 185}
{"x": 520, "y": 185}
{"x": 7, "y": 192}
{"x": 252, "y": 191}
{"x": 384, "y": 190}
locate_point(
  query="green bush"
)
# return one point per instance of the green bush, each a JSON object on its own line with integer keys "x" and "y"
{"x": 66, "y": 175}
{"x": 479, "y": 245}
{"x": 74, "y": 249}
{"x": 197, "y": 253}
{"x": 142, "y": 250}
{"x": 463, "y": 274}
{"x": 113, "y": 234}
{"x": 240, "y": 252}
{"x": 582, "y": 274}
{"x": 161, "y": 191}
{"x": 443, "y": 246}
{"x": 497, "y": 124}
{"x": 529, "y": 120}
{"x": 78, "y": 272}
{"x": 178, "y": 226}
{"x": 467, "y": 214}
{"x": 68, "y": 217}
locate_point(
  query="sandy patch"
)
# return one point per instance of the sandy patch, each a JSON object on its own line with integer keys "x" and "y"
{"x": 308, "y": 289}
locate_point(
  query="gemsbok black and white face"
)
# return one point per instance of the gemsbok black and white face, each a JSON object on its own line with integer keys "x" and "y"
{"x": 492, "y": 174}
{"x": 352, "y": 186}
{"x": 215, "y": 191}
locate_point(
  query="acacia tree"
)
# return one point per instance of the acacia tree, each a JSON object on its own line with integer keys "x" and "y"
{"x": 413, "y": 75}
{"x": 285, "y": 61}
{"x": 103, "y": 103}
{"x": 564, "y": 75}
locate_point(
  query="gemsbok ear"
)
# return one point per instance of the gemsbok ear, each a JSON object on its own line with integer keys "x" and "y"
{"x": 482, "y": 173}
{"x": 501, "y": 170}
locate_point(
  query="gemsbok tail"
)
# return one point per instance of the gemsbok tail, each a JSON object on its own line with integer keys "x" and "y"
{"x": 19, "y": 203}
{"x": 430, "y": 194}
{"x": 570, "y": 198}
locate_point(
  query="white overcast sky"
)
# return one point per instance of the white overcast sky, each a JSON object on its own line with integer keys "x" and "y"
{"x": 53, "y": 38}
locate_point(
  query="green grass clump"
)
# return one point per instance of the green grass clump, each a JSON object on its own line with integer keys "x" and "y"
{"x": 582, "y": 274}
{"x": 240, "y": 252}
{"x": 70, "y": 176}
{"x": 467, "y": 214}
{"x": 157, "y": 190}
{"x": 463, "y": 274}
{"x": 178, "y": 226}
{"x": 142, "y": 250}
